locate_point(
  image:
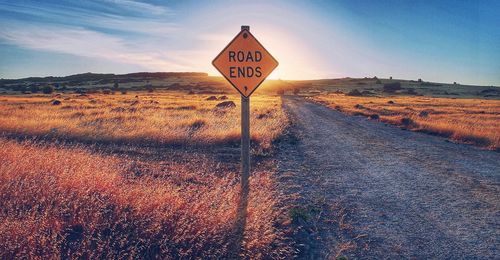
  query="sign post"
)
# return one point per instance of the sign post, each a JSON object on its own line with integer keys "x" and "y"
{"x": 245, "y": 142}
{"x": 245, "y": 63}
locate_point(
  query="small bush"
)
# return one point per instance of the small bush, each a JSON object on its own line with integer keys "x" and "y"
{"x": 392, "y": 87}
{"x": 34, "y": 88}
{"x": 411, "y": 91}
{"x": 47, "y": 90}
{"x": 423, "y": 113}
{"x": 374, "y": 117}
{"x": 299, "y": 214}
{"x": 407, "y": 121}
{"x": 197, "y": 125}
{"x": 355, "y": 93}
{"x": 19, "y": 88}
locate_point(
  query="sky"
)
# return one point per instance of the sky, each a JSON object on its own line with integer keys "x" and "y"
{"x": 442, "y": 41}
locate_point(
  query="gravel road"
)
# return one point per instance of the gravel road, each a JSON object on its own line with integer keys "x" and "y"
{"x": 372, "y": 190}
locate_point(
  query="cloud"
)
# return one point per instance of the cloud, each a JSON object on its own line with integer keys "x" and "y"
{"x": 157, "y": 22}
{"x": 86, "y": 43}
{"x": 137, "y": 5}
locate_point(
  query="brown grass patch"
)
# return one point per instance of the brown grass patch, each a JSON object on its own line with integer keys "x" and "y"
{"x": 69, "y": 202}
{"x": 161, "y": 118}
{"x": 475, "y": 121}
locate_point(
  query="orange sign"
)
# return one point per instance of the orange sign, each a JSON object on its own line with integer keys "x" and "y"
{"x": 245, "y": 63}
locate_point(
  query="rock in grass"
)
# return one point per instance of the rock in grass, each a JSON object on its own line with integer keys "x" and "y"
{"x": 226, "y": 104}
{"x": 211, "y": 98}
{"x": 56, "y": 102}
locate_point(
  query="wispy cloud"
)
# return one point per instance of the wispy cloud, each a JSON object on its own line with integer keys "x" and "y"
{"x": 157, "y": 20}
{"x": 93, "y": 30}
{"x": 146, "y": 7}
{"x": 87, "y": 43}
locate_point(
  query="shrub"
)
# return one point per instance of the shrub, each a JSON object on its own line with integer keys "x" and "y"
{"x": 197, "y": 124}
{"x": 354, "y": 93}
{"x": 392, "y": 87}
{"x": 423, "y": 113}
{"x": 19, "y": 88}
{"x": 407, "y": 121}
{"x": 374, "y": 117}
{"x": 299, "y": 214}
{"x": 47, "y": 90}
{"x": 34, "y": 88}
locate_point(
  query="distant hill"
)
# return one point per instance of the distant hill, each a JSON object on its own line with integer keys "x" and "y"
{"x": 86, "y": 77}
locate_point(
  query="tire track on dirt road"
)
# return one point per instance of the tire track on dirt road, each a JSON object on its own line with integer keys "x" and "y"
{"x": 374, "y": 190}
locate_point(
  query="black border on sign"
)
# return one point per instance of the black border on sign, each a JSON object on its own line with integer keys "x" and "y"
{"x": 227, "y": 46}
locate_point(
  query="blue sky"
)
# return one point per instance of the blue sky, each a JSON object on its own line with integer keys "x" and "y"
{"x": 442, "y": 41}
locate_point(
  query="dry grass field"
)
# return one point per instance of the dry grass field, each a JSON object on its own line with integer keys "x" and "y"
{"x": 475, "y": 121}
{"x": 135, "y": 175}
{"x": 134, "y": 172}
{"x": 162, "y": 118}
{"x": 68, "y": 201}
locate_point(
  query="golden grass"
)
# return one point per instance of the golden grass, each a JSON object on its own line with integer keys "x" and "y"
{"x": 475, "y": 121}
{"x": 59, "y": 202}
{"x": 160, "y": 118}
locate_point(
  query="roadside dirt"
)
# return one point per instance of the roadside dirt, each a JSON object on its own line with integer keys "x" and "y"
{"x": 363, "y": 189}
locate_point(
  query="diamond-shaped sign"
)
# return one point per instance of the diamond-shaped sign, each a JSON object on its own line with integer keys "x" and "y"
{"x": 245, "y": 63}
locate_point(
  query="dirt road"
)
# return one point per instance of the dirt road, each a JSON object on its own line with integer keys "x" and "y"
{"x": 366, "y": 189}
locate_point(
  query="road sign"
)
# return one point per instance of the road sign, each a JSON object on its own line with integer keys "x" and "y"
{"x": 245, "y": 63}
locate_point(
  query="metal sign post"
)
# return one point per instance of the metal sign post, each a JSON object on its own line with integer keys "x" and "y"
{"x": 245, "y": 63}
{"x": 245, "y": 142}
